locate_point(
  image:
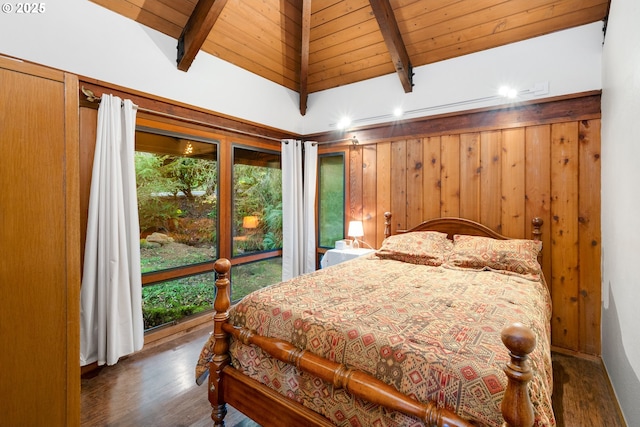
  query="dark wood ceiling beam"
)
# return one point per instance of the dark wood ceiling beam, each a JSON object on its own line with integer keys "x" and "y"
{"x": 195, "y": 32}
{"x": 393, "y": 39}
{"x": 304, "y": 55}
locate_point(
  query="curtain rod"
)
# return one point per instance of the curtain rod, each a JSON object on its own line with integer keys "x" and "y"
{"x": 91, "y": 97}
{"x": 353, "y": 141}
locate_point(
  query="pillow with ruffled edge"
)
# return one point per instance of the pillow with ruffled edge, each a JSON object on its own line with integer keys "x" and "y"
{"x": 518, "y": 256}
{"x": 416, "y": 247}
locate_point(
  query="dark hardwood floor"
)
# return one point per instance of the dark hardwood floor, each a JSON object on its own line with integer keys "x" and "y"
{"x": 582, "y": 394}
{"x": 156, "y": 387}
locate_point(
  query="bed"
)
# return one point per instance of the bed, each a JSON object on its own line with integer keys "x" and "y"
{"x": 448, "y": 323}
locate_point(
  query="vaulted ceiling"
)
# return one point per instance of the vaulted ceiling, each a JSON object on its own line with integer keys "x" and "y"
{"x": 313, "y": 45}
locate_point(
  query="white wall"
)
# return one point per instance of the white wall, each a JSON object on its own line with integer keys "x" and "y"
{"x": 621, "y": 205}
{"x": 568, "y": 61}
{"x": 86, "y": 39}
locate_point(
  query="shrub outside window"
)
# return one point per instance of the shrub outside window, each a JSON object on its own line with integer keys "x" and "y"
{"x": 330, "y": 199}
{"x": 252, "y": 276}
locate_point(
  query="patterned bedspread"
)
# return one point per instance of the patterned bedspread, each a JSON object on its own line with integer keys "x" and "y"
{"x": 432, "y": 332}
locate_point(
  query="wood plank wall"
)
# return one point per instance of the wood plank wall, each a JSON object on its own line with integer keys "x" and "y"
{"x": 503, "y": 173}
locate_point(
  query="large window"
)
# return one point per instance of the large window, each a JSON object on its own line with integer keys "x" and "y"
{"x": 330, "y": 199}
{"x": 256, "y": 219}
{"x": 177, "y": 189}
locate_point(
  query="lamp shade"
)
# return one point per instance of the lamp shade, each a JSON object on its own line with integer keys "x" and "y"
{"x": 355, "y": 229}
{"x": 250, "y": 221}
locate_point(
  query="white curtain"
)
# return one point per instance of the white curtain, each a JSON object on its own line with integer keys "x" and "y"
{"x": 298, "y": 207}
{"x": 111, "y": 323}
{"x": 309, "y": 190}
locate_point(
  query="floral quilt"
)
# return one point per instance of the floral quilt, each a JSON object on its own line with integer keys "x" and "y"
{"x": 433, "y": 332}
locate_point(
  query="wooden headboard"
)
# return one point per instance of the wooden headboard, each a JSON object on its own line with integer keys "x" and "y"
{"x": 453, "y": 226}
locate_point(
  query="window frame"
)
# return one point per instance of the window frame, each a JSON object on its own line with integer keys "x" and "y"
{"x": 173, "y": 273}
{"x": 257, "y": 255}
{"x": 159, "y": 277}
{"x": 252, "y": 257}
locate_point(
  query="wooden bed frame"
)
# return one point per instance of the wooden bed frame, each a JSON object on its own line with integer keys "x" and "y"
{"x": 267, "y": 407}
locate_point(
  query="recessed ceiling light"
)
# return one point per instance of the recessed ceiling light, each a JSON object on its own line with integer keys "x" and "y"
{"x": 398, "y": 112}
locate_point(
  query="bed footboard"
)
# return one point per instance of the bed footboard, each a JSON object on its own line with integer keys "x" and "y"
{"x": 516, "y": 406}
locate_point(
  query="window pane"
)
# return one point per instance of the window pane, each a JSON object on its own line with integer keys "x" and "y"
{"x": 177, "y": 180}
{"x": 171, "y": 301}
{"x": 331, "y": 200}
{"x": 246, "y": 278}
{"x": 257, "y": 201}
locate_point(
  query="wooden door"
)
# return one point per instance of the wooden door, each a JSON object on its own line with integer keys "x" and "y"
{"x": 39, "y": 247}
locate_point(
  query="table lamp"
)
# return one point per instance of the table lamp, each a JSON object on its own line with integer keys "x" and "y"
{"x": 355, "y": 231}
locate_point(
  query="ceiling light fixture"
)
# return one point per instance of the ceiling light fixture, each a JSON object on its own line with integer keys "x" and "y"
{"x": 507, "y": 92}
{"x": 188, "y": 149}
{"x": 344, "y": 123}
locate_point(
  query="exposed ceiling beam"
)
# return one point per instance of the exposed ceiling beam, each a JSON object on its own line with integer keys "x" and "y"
{"x": 195, "y": 32}
{"x": 393, "y": 39}
{"x": 304, "y": 55}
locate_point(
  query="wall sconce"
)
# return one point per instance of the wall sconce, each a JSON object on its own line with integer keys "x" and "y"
{"x": 355, "y": 230}
{"x": 250, "y": 221}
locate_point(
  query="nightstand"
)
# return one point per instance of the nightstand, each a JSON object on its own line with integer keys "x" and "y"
{"x": 336, "y": 256}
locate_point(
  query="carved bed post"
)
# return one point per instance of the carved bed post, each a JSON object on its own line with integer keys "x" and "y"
{"x": 221, "y": 346}
{"x": 387, "y": 224}
{"x": 537, "y": 225}
{"x": 537, "y": 233}
{"x": 517, "y": 410}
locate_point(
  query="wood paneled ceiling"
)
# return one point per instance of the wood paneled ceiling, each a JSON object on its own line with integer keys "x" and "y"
{"x": 313, "y": 45}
